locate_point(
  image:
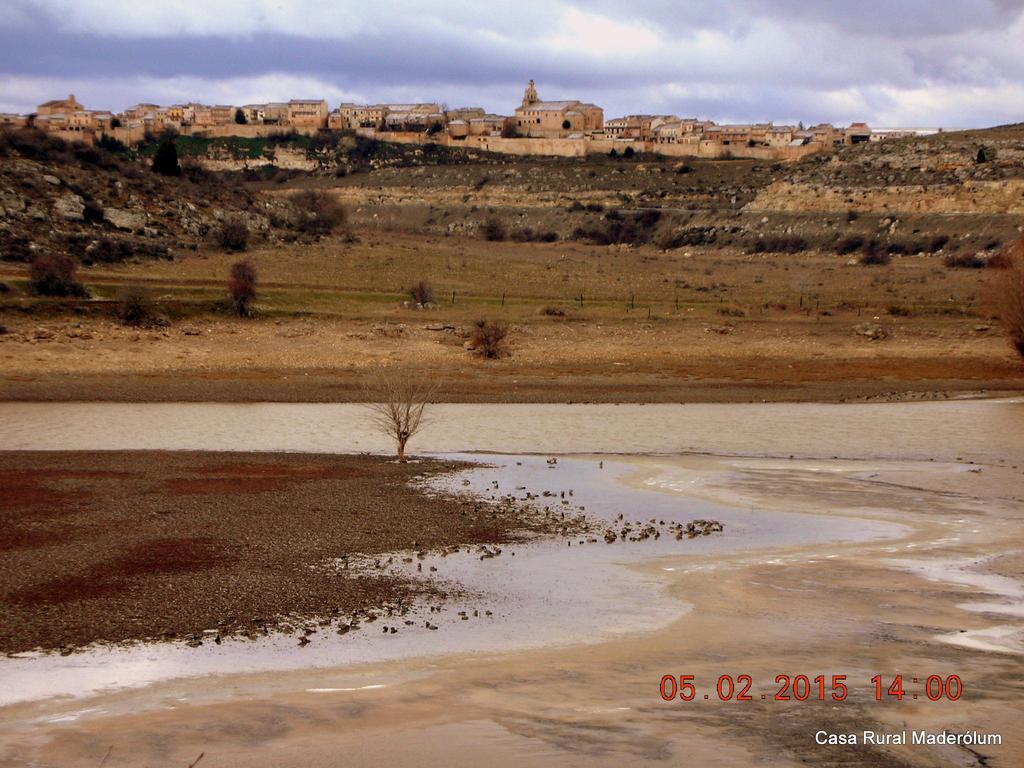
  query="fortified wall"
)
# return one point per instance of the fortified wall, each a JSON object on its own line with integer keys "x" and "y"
{"x": 582, "y": 147}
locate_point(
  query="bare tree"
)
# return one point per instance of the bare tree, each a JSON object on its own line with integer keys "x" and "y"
{"x": 398, "y": 403}
{"x": 1009, "y": 284}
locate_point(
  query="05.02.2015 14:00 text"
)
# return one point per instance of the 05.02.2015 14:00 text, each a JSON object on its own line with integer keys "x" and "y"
{"x": 811, "y": 688}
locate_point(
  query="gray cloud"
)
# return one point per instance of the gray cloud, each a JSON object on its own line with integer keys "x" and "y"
{"x": 956, "y": 63}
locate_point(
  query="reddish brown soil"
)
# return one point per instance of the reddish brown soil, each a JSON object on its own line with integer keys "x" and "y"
{"x": 117, "y": 546}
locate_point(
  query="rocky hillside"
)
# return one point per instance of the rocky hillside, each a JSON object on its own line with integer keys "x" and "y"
{"x": 963, "y": 172}
{"x": 98, "y": 205}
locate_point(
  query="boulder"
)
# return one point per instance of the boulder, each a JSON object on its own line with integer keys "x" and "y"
{"x": 124, "y": 219}
{"x": 70, "y": 207}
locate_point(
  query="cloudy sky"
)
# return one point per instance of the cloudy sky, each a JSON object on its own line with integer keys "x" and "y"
{"x": 951, "y": 63}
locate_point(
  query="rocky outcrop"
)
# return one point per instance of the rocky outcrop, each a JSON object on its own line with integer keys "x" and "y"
{"x": 70, "y": 207}
{"x": 127, "y": 220}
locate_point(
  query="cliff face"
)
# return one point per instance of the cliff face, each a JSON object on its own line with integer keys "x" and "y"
{"x": 966, "y": 197}
{"x": 969, "y": 172}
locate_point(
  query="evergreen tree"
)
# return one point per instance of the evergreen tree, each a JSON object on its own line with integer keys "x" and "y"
{"x": 240, "y": 117}
{"x": 165, "y": 161}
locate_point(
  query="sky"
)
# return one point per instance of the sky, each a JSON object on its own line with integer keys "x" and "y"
{"x": 892, "y": 63}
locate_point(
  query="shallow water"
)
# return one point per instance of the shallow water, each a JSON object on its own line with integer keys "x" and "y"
{"x": 546, "y": 594}
{"x": 984, "y": 431}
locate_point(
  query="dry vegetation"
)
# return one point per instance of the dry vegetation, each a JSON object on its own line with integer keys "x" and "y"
{"x": 614, "y": 279}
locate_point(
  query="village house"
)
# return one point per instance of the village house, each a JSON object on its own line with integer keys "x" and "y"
{"x": 11, "y": 120}
{"x": 362, "y": 115}
{"x": 488, "y": 125}
{"x": 638, "y": 127}
{"x": 222, "y": 114}
{"x": 464, "y": 113}
{"x": 276, "y": 113}
{"x": 307, "y": 113}
{"x": 254, "y": 113}
{"x": 857, "y": 133}
{"x": 555, "y": 119}
{"x": 780, "y": 135}
{"x": 413, "y": 117}
{"x": 825, "y": 135}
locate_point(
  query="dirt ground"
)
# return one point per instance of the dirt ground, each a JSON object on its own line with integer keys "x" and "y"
{"x": 587, "y": 323}
{"x": 116, "y": 546}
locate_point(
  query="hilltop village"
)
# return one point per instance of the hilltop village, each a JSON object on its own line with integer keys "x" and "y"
{"x": 536, "y": 127}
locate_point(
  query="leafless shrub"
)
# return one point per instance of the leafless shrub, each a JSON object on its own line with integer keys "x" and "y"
{"x": 135, "y": 308}
{"x": 965, "y": 260}
{"x": 1009, "y": 296}
{"x": 422, "y": 294}
{"x": 54, "y": 275}
{"x": 494, "y": 230}
{"x": 398, "y": 403}
{"x": 242, "y": 286}
{"x": 872, "y": 254}
{"x": 318, "y": 213}
{"x": 234, "y": 234}
{"x": 488, "y": 338}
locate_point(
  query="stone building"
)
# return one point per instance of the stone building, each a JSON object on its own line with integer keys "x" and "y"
{"x": 60, "y": 106}
{"x": 362, "y": 115}
{"x": 857, "y": 133}
{"x": 413, "y": 117}
{"x": 276, "y": 113}
{"x": 637, "y": 127}
{"x": 307, "y": 113}
{"x": 555, "y": 119}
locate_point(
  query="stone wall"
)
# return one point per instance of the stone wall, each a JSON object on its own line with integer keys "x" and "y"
{"x": 582, "y": 147}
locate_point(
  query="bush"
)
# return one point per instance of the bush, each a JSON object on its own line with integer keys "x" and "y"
{"x": 494, "y": 230}
{"x": 849, "y": 245}
{"x": 16, "y": 249}
{"x": 135, "y": 308}
{"x": 318, "y": 213}
{"x": 1001, "y": 260}
{"x": 92, "y": 212}
{"x": 488, "y": 338}
{"x": 112, "y": 145}
{"x": 165, "y": 160}
{"x": 690, "y": 236}
{"x": 778, "y": 245}
{"x": 1010, "y": 297}
{"x": 528, "y": 235}
{"x": 632, "y": 229}
{"x": 54, "y": 275}
{"x": 874, "y": 255}
{"x": 553, "y": 312}
{"x": 966, "y": 260}
{"x": 242, "y": 286}
{"x": 421, "y": 293}
{"x": 233, "y": 235}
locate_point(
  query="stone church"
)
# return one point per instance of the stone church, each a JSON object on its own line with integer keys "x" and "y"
{"x": 555, "y": 119}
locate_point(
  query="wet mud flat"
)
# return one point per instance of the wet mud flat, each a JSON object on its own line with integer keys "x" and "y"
{"x": 194, "y": 547}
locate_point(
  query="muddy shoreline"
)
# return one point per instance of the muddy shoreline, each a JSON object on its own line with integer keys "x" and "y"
{"x": 124, "y": 546}
{"x": 486, "y": 386}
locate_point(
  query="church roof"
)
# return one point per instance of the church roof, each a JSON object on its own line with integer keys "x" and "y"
{"x": 550, "y": 106}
